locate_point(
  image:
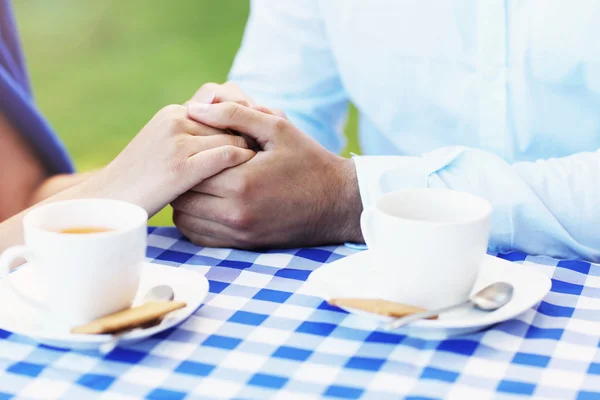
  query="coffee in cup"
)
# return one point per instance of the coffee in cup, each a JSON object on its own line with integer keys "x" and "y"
{"x": 84, "y": 230}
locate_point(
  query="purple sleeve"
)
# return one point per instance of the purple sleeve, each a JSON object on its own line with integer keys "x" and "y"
{"x": 16, "y": 100}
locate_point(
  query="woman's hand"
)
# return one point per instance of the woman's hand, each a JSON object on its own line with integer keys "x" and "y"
{"x": 213, "y": 93}
{"x": 170, "y": 155}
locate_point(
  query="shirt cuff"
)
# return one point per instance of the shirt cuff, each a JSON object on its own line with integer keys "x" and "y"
{"x": 378, "y": 175}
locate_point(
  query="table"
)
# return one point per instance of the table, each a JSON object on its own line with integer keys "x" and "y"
{"x": 259, "y": 336}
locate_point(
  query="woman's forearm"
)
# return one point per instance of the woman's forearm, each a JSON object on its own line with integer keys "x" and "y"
{"x": 11, "y": 230}
{"x": 57, "y": 184}
{"x": 95, "y": 185}
{"x": 61, "y": 187}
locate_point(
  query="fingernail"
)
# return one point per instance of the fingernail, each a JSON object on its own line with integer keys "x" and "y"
{"x": 210, "y": 97}
{"x": 206, "y": 98}
{"x": 197, "y": 108}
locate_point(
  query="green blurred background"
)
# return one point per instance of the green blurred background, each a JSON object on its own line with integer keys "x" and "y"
{"x": 102, "y": 68}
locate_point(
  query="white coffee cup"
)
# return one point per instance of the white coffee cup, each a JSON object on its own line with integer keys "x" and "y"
{"x": 85, "y": 276}
{"x": 427, "y": 244}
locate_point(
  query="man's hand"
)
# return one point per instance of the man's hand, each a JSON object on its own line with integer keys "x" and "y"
{"x": 293, "y": 193}
{"x": 213, "y": 93}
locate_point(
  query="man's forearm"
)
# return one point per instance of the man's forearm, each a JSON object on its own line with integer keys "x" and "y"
{"x": 545, "y": 207}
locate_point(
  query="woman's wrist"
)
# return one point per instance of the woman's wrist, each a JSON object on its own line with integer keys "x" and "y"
{"x": 115, "y": 183}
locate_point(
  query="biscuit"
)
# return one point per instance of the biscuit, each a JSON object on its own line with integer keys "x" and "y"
{"x": 130, "y": 318}
{"x": 377, "y": 306}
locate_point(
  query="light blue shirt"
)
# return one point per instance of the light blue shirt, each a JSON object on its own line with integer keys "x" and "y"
{"x": 500, "y": 98}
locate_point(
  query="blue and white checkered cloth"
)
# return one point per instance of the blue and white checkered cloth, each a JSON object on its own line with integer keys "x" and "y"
{"x": 258, "y": 337}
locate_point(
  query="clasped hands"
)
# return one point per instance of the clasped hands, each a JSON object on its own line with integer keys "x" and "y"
{"x": 269, "y": 185}
{"x": 293, "y": 192}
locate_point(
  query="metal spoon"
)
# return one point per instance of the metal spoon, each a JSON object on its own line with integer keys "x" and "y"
{"x": 489, "y": 298}
{"x": 157, "y": 293}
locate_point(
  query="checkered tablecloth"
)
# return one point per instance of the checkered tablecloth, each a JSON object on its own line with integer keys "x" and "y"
{"x": 258, "y": 336}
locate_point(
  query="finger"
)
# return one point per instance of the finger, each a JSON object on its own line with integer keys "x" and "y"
{"x": 215, "y": 93}
{"x": 201, "y": 226}
{"x": 210, "y": 215}
{"x": 252, "y": 144}
{"x": 230, "y": 91}
{"x": 221, "y": 185}
{"x": 244, "y": 103}
{"x": 197, "y": 129}
{"x": 263, "y": 109}
{"x": 279, "y": 112}
{"x": 228, "y": 184}
{"x": 260, "y": 126}
{"x": 202, "y": 240}
{"x": 213, "y": 161}
{"x": 267, "y": 110}
{"x": 200, "y": 205}
{"x": 208, "y": 233}
{"x": 197, "y": 144}
{"x": 206, "y": 94}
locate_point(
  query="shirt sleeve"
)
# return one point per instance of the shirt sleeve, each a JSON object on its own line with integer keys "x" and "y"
{"x": 549, "y": 207}
{"x": 285, "y": 62}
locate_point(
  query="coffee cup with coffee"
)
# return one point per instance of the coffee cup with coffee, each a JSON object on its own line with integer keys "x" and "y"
{"x": 87, "y": 254}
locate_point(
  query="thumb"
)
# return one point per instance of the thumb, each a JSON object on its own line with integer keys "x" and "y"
{"x": 206, "y": 94}
{"x": 210, "y": 162}
{"x": 273, "y": 111}
{"x": 266, "y": 129}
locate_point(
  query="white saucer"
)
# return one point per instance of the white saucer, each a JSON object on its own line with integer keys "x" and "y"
{"x": 352, "y": 277}
{"x": 18, "y": 317}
